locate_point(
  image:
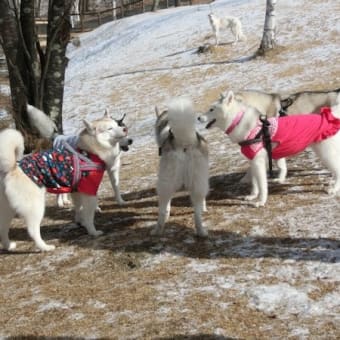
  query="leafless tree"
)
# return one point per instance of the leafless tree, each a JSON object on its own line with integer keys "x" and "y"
{"x": 269, "y": 31}
{"x": 36, "y": 74}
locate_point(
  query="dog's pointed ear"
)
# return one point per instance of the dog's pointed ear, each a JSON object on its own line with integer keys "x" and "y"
{"x": 157, "y": 111}
{"x": 120, "y": 121}
{"x": 106, "y": 114}
{"x": 89, "y": 127}
{"x": 223, "y": 96}
{"x": 228, "y": 98}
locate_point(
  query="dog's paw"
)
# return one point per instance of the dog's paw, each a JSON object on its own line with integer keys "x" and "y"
{"x": 333, "y": 191}
{"x": 279, "y": 180}
{"x": 10, "y": 246}
{"x": 250, "y": 197}
{"x": 98, "y": 209}
{"x": 202, "y": 233}
{"x": 121, "y": 202}
{"x": 156, "y": 231}
{"x": 96, "y": 233}
{"x": 259, "y": 204}
{"x": 47, "y": 247}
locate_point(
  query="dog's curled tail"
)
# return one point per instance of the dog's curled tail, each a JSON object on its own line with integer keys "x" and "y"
{"x": 11, "y": 149}
{"x": 42, "y": 122}
{"x": 182, "y": 120}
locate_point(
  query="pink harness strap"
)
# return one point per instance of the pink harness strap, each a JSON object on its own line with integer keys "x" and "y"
{"x": 235, "y": 122}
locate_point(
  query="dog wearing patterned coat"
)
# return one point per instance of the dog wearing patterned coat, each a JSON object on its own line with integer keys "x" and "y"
{"x": 289, "y": 136}
{"x": 23, "y": 186}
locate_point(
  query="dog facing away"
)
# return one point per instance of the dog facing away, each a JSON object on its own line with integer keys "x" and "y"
{"x": 25, "y": 180}
{"x": 233, "y": 23}
{"x": 289, "y": 135}
{"x": 47, "y": 129}
{"x": 183, "y": 162}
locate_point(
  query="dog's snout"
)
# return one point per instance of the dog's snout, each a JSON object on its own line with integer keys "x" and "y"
{"x": 202, "y": 119}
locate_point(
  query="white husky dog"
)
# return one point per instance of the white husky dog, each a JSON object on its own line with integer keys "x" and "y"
{"x": 47, "y": 129}
{"x": 289, "y": 136}
{"x": 226, "y": 22}
{"x": 183, "y": 161}
{"x": 24, "y": 180}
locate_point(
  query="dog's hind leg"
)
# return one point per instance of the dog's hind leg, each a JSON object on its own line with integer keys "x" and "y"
{"x": 329, "y": 153}
{"x": 33, "y": 220}
{"x": 164, "y": 206}
{"x": 198, "y": 203}
{"x": 282, "y": 165}
{"x": 6, "y": 216}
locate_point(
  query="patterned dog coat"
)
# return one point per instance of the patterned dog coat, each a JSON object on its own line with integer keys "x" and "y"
{"x": 293, "y": 134}
{"x": 64, "y": 171}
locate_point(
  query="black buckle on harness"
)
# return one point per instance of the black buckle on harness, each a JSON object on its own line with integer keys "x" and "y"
{"x": 263, "y": 136}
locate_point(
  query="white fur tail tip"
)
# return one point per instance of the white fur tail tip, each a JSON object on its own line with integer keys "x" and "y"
{"x": 43, "y": 123}
{"x": 182, "y": 120}
{"x": 11, "y": 149}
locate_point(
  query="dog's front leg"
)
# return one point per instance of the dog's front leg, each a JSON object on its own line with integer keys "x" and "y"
{"x": 259, "y": 171}
{"x": 113, "y": 173}
{"x": 85, "y": 208}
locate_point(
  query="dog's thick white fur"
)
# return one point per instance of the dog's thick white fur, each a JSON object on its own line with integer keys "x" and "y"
{"x": 183, "y": 161}
{"x": 231, "y": 22}
{"x": 47, "y": 129}
{"x": 222, "y": 114}
{"x": 20, "y": 195}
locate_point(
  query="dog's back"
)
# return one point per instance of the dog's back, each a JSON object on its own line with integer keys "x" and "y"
{"x": 308, "y": 101}
{"x": 267, "y": 103}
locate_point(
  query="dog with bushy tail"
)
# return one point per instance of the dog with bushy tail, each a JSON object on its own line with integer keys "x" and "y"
{"x": 183, "y": 161}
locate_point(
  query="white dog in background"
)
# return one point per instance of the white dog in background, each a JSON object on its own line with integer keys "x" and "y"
{"x": 233, "y": 23}
{"x": 183, "y": 161}
{"x": 24, "y": 180}
{"x": 289, "y": 136}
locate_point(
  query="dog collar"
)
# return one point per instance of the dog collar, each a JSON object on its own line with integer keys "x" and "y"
{"x": 235, "y": 122}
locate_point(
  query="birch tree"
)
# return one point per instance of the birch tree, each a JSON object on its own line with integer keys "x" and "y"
{"x": 36, "y": 75}
{"x": 269, "y": 31}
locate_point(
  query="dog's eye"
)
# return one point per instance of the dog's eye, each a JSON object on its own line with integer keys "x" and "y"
{"x": 211, "y": 110}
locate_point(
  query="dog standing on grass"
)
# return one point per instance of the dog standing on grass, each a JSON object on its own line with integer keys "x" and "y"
{"x": 183, "y": 161}
{"x": 25, "y": 180}
{"x": 233, "y": 23}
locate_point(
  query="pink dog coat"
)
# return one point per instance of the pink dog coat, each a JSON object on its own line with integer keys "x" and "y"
{"x": 293, "y": 134}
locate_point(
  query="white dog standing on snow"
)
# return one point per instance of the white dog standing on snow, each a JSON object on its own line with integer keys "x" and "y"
{"x": 183, "y": 161}
{"x": 289, "y": 136}
{"x": 226, "y": 22}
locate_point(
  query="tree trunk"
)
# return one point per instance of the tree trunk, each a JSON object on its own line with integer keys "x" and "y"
{"x": 58, "y": 36}
{"x": 14, "y": 52}
{"x": 269, "y": 31}
{"x": 155, "y": 5}
{"x": 36, "y": 76}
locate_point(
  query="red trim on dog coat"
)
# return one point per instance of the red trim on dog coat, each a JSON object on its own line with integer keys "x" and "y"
{"x": 293, "y": 134}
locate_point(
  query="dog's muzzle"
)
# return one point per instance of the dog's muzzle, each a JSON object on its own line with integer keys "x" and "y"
{"x": 210, "y": 124}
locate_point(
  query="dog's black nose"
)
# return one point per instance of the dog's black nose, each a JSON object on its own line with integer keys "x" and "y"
{"x": 130, "y": 141}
